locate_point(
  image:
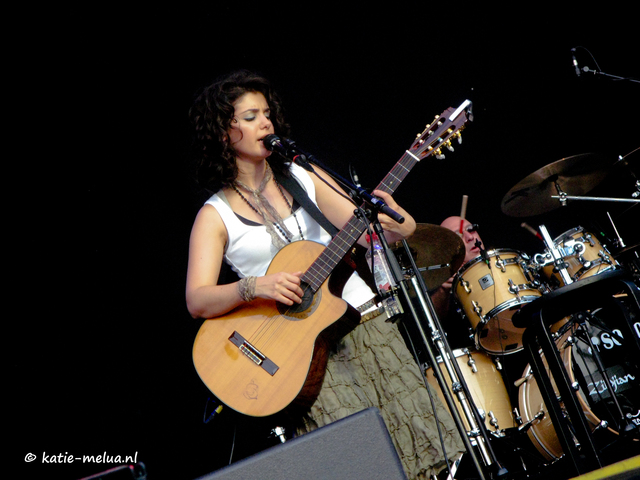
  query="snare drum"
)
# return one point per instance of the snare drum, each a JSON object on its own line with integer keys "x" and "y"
{"x": 490, "y": 292}
{"x": 486, "y": 387}
{"x": 593, "y": 395}
{"x": 582, "y": 252}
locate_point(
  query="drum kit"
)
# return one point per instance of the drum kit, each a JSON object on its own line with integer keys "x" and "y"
{"x": 586, "y": 301}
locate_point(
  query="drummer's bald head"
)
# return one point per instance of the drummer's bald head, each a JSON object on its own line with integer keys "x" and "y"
{"x": 453, "y": 223}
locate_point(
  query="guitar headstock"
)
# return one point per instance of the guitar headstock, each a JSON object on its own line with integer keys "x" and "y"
{"x": 441, "y": 132}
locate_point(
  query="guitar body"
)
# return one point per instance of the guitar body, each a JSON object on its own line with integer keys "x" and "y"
{"x": 294, "y": 343}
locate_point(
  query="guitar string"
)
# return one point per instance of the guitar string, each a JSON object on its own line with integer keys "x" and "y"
{"x": 271, "y": 326}
{"x": 275, "y": 325}
{"x": 279, "y": 325}
{"x": 319, "y": 270}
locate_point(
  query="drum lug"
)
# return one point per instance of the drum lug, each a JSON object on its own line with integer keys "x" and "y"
{"x": 515, "y": 289}
{"x": 590, "y": 240}
{"x": 494, "y": 420}
{"x": 465, "y": 285}
{"x": 526, "y": 426}
{"x": 605, "y": 258}
{"x": 500, "y": 264}
{"x": 477, "y": 308}
{"x": 496, "y": 360}
{"x": 472, "y": 363}
{"x": 585, "y": 263}
{"x": 516, "y": 416}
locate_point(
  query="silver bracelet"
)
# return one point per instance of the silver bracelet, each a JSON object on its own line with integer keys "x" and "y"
{"x": 247, "y": 288}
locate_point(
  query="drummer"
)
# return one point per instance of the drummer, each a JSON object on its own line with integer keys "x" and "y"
{"x": 441, "y": 296}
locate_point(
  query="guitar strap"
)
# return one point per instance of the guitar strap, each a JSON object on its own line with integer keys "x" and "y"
{"x": 357, "y": 260}
{"x": 300, "y": 195}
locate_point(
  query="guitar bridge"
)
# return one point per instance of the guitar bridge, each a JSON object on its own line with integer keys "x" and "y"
{"x": 253, "y": 353}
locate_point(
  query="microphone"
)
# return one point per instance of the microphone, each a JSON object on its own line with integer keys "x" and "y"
{"x": 273, "y": 143}
{"x": 286, "y": 148}
{"x": 483, "y": 252}
{"x": 575, "y": 62}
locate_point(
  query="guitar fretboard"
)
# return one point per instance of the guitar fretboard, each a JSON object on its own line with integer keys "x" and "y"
{"x": 326, "y": 262}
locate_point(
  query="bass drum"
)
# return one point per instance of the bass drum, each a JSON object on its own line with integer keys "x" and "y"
{"x": 485, "y": 386}
{"x": 593, "y": 394}
{"x": 490, "y": 291}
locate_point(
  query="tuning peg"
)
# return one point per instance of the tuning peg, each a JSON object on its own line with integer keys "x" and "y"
{"x": 449, "y": 146}
{"x": 439, "y": 154}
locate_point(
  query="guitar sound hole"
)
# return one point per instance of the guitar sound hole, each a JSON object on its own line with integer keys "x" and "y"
{"x": 310, "y": 301}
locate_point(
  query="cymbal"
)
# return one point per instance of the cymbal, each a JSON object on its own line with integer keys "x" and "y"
{"x": 576, "y": 175}
{"x": 433, "y": 245}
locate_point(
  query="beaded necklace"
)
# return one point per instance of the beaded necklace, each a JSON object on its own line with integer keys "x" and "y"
{"x": 264, "y": 207}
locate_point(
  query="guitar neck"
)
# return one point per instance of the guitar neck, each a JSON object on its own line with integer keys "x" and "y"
{"x": 436, "y": 135}
{"x": 319, "y": 270}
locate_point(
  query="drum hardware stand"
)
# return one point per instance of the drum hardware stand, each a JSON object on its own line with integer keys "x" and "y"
{"x": 280, "y": 433}
{"x": 558, "y": 260}
{"x": 562, "y": 429}
{"x": 435, "y": 267}
{"x": 582, "y": 319}
{"x": 458, "y": 385}
{"x": 546, "y": 311}
{"x": 563, "y": 197}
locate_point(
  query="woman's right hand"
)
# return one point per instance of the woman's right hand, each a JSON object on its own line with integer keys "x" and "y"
{"x": 282, "y": 287}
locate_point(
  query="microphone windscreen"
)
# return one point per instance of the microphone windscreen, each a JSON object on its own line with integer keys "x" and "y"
{"x": 271, "y": 141}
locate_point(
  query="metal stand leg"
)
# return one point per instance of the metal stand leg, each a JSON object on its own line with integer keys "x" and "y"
{"x": 536, "y": 317}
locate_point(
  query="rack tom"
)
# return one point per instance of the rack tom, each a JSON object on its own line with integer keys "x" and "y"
{"x": 489, "y": 289}
{"x": 583, "y": 254}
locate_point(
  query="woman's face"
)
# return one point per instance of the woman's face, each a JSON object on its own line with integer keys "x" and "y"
{"x": 249, "y": 126}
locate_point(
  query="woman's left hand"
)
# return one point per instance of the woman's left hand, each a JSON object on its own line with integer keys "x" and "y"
{"x": 395, "y": 231}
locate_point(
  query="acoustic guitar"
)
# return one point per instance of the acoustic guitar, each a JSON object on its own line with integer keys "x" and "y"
{"x": 263, "y": 356}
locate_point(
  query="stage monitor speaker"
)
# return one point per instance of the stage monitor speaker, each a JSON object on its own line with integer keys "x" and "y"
{"x": 358, "y": 446}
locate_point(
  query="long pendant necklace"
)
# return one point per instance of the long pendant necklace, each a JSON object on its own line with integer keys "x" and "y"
{"x": 264, "y": 206}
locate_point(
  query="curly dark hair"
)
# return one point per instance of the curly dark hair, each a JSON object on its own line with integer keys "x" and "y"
{"x": 211, "y": 116}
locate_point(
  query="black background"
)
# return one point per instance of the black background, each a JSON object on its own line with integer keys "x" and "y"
{"x": 101, "y": 199}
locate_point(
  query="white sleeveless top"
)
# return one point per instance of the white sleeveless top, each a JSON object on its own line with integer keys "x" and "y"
{"x": 249, "y": 249}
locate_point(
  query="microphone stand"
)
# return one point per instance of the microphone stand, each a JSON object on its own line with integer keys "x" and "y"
{"x": 608, "y": 75}
{"x": 478, "y": 428}
{"x": 355, "y": 192}
{"x": 437, "y": 337}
